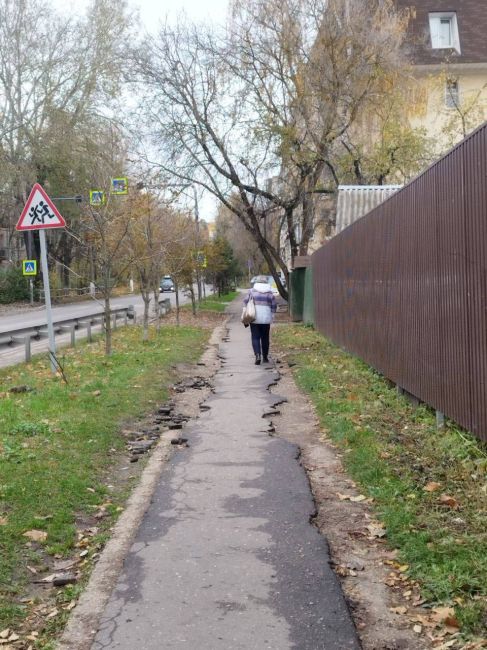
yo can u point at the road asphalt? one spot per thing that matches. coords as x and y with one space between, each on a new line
226 555
36 316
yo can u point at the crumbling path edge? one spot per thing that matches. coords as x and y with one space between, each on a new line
83 622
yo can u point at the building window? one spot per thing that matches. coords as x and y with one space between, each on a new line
444 31
452 96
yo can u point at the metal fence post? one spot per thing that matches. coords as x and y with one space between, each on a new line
73 336
28 352
88 332
440 420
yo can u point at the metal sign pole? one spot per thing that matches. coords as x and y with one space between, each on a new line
47 298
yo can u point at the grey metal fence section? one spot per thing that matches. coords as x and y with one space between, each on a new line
405 287
25 335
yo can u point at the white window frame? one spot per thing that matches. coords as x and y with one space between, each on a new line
438 42
452 97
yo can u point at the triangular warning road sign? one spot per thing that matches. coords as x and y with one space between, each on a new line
39 212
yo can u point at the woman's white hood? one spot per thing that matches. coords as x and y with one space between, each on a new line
262 287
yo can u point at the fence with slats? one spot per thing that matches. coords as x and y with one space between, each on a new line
405 287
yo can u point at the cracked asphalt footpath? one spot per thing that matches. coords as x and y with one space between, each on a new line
226 556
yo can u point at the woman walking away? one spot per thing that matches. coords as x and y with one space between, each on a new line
265 308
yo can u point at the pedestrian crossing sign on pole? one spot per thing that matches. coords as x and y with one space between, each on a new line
97 197
29 267
39 212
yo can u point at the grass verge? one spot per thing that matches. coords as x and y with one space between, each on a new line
58 443
428 487
215 302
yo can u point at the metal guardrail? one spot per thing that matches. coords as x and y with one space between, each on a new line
25 335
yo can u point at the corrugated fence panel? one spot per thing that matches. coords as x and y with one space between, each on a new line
475 180
405 287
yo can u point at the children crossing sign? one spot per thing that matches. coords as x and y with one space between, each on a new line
29 267
39 212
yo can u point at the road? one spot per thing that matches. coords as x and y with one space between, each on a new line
37 316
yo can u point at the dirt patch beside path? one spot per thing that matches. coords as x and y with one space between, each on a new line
379 600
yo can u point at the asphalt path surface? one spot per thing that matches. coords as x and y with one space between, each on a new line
35 316
226 556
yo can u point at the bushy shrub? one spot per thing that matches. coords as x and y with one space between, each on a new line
13 285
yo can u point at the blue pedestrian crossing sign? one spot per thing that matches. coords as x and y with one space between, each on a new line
29 267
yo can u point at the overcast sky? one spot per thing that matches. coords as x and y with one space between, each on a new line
154 11
151 11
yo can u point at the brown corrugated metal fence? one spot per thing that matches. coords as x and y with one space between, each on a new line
405 287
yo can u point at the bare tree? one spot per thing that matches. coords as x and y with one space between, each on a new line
178 255
58 75
253 113
145 243
109 226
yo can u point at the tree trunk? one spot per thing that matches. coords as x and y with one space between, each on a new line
108 324
146 299
176 286
157 309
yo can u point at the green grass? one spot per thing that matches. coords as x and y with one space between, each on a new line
393 451
215 303
58 443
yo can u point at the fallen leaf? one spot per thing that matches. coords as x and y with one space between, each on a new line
376 530
53 613
360 497
451 622
36 535
341 570
4 634
96 393
432 486
3 521
403 568
447 500
418 629
399 610
46 579
343 497
440 614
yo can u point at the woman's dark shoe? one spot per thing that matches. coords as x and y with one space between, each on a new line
257 359
265 359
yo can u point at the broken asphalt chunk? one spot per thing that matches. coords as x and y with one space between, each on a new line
180 441
65 579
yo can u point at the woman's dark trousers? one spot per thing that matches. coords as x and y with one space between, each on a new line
260 338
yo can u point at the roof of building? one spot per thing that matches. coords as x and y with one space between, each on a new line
471 17
354 201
